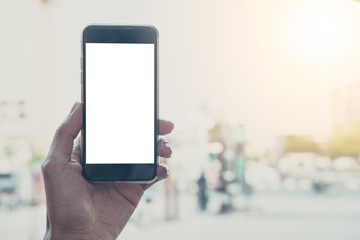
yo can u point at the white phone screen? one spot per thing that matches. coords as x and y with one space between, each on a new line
119 103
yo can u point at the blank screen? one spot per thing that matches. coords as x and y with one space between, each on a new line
119 103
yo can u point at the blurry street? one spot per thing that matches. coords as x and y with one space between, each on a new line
272 215
25 222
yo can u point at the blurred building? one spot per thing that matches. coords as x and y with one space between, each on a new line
346 106
15 149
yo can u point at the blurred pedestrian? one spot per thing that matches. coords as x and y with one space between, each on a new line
202 192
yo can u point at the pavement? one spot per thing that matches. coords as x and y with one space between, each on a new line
283 216
267 215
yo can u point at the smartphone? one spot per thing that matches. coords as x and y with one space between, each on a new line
120 103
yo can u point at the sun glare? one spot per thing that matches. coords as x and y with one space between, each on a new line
321 29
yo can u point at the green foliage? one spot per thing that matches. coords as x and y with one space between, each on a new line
37 157
217 132
299 143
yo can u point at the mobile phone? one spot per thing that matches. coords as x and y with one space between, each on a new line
120 103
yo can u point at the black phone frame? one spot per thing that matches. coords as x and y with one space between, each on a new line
119 34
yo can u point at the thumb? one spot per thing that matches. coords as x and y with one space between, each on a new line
62 144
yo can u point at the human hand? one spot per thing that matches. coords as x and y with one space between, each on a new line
77 209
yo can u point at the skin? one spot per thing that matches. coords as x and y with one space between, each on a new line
77 209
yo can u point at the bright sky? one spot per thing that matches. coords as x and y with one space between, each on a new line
271 65
279 63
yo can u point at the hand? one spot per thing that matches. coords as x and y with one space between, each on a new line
77 209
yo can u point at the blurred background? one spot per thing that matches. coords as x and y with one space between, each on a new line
265 96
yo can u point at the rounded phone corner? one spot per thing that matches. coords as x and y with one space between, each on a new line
86 176
87 28
153 179
85 31
153 29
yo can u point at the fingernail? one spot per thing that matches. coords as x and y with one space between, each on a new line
166 168
73 107
167 145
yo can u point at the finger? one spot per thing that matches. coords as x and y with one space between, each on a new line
75 156
165 127
164 148
62 145
162 173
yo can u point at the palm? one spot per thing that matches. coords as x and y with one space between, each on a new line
99 209
118 201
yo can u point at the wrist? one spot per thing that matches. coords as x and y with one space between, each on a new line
60 235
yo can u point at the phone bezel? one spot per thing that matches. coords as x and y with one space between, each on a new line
119 34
